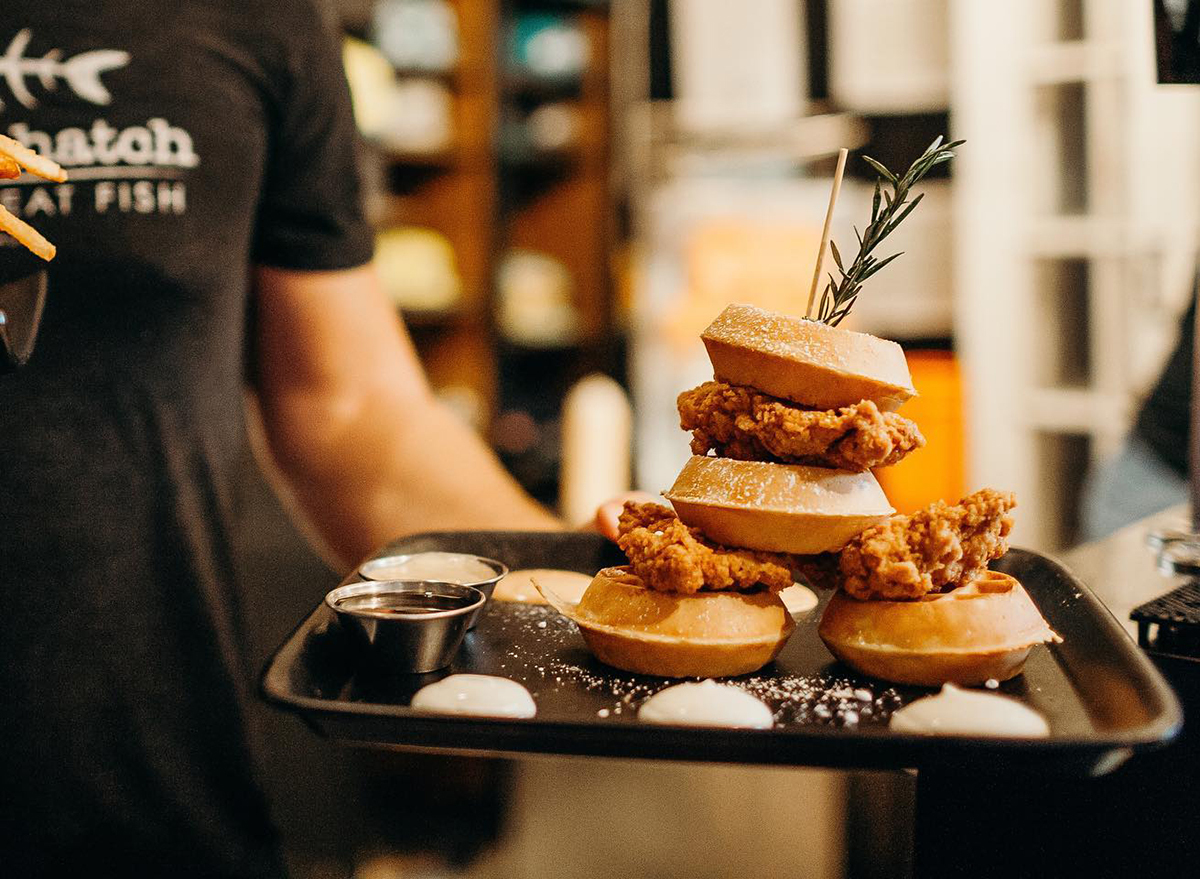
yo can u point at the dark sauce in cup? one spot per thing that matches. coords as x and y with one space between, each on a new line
403 603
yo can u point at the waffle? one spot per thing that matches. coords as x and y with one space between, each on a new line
981 630
703 635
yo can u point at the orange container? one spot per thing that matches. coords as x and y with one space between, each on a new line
937 471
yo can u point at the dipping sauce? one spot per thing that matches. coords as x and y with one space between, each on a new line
478 695
706 703
406 626
454 567
518 585
798 599
958 712
402 603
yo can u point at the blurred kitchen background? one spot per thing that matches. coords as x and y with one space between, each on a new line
568 190
564 188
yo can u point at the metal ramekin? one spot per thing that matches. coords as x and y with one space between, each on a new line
376 569
407 642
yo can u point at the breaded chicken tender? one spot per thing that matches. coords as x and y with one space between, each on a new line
671 557
739 422
941 546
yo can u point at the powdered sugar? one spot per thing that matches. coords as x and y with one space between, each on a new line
758 485
795 338
546 652
794 358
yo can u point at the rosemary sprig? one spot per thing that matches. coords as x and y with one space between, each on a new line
888 210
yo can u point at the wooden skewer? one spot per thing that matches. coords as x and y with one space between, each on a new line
833 196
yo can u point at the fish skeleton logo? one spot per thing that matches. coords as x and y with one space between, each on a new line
81 73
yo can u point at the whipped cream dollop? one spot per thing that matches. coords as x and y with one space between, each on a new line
956 711
798 599
477 695
706 703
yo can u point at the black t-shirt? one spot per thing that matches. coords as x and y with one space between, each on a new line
1165 418
202 137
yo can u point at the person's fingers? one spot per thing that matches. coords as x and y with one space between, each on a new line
608 512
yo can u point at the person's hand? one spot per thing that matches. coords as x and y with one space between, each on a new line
607 513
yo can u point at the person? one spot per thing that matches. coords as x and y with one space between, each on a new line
211 234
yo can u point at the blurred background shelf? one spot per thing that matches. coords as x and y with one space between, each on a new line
543 88
444 159
488 126
600 178
1075 239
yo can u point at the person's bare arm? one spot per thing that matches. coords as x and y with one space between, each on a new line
367 450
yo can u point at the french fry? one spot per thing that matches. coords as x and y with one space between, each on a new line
26 234
31 161
13 157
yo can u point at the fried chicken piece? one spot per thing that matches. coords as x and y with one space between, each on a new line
671 557
941 546
738 422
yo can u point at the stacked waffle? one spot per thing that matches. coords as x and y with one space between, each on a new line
779 485
784 440
797 415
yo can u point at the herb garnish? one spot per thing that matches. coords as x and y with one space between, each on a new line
888 210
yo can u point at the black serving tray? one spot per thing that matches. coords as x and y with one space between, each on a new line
1101 696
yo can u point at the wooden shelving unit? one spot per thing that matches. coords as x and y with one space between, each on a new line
561 203
1075 238
493 190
